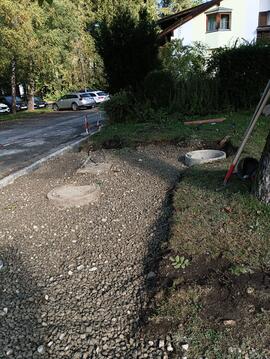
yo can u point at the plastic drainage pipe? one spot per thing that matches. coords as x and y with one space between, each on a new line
257 113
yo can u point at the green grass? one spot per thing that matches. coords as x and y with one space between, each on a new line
235 125
210 223
24 114
213 224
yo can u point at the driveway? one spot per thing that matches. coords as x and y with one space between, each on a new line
28 140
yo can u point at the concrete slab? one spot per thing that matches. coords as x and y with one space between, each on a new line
74 196
93 168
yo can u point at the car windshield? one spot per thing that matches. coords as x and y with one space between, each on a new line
92 94
101 93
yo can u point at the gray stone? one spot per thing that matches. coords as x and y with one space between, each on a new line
41 349
151 275
161 344
1 264
266 110
185 346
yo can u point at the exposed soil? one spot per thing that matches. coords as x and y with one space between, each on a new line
229 300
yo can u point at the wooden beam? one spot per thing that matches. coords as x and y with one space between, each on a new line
202 122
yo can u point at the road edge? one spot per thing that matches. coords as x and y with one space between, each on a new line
31 168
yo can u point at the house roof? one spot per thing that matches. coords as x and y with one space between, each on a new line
172 22
218 9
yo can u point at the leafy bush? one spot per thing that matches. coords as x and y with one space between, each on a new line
242 73
196 95
183 61
159 86
120 108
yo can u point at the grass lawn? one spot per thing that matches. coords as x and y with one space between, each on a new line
235 125
219 301
24 114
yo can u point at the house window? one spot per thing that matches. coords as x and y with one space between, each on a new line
211 23
225 22
264 18
218 22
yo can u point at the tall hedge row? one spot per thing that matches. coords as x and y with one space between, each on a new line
242 74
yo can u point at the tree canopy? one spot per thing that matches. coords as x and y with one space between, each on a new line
49 44
169 6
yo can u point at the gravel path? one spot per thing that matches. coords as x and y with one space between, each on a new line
75 282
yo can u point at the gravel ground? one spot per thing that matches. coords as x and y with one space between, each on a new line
75 282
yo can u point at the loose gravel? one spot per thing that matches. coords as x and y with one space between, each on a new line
74 282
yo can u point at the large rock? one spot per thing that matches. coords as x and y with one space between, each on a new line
74 196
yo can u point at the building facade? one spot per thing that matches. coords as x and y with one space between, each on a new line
219 23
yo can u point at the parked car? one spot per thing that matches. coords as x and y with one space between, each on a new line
4 108
86 90
20 104
99 96
74 101
39 103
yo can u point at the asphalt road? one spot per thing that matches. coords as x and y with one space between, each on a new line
25 141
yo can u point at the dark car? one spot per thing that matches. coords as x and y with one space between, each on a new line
20 104
39 103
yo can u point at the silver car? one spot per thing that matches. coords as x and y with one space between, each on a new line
74 101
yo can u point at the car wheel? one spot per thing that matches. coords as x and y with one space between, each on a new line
74 106
55 107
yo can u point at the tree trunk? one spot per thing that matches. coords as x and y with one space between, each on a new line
261 186
13 85
30 95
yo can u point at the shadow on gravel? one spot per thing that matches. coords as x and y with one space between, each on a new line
20 332
157 244
154 166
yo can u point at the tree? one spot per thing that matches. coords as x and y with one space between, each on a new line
43 48
183 61
128 47
171 6
261 186
15 29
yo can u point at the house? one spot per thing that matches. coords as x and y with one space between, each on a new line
218 23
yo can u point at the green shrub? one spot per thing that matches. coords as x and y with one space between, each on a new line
120 108
183 61
196 95
144 112
242 73
159 87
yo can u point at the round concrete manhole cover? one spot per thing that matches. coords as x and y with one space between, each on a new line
203 156
74 196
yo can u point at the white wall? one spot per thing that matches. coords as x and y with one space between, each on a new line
264 5
244 24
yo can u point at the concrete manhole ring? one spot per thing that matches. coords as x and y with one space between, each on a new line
203 156
74 196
